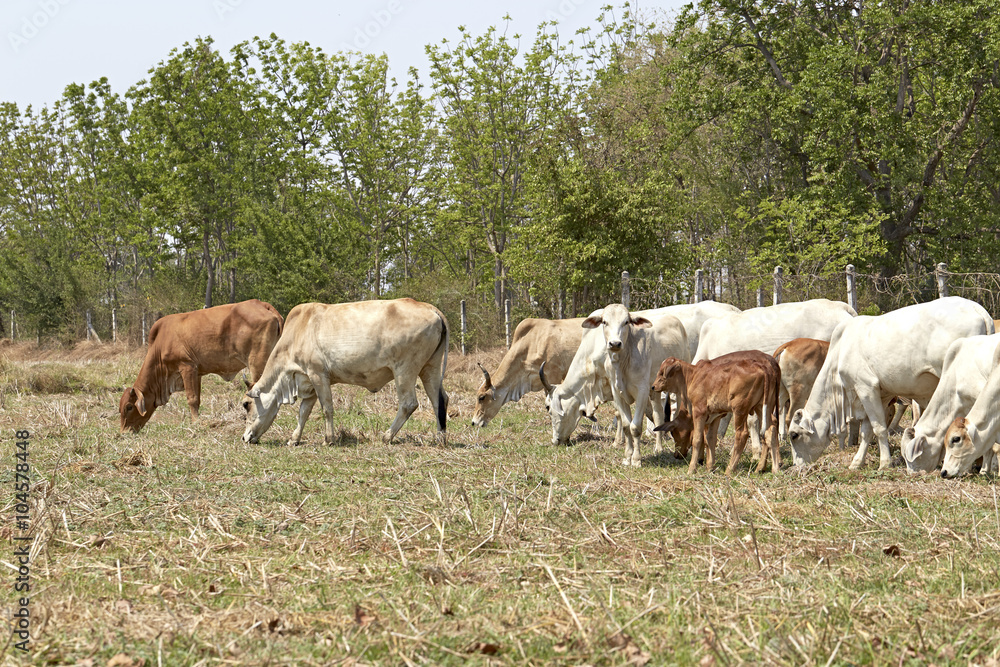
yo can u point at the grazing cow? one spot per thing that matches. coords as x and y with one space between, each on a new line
976 434
635 349
967 365
184 346
590 369
367 344
873 359
799 360
535 342
741 383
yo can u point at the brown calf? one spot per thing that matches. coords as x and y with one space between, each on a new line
740 383
799 360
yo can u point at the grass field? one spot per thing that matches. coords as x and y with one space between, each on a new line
181 545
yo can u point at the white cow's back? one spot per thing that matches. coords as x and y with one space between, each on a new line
765 329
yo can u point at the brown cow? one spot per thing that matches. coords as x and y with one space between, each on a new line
183 347
741 383
799 360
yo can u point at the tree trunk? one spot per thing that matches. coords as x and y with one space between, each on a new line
210 270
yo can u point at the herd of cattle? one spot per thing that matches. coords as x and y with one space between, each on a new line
825 368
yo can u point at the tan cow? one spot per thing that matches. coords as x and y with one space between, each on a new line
183 347
367 344
536 341
799 360
741 383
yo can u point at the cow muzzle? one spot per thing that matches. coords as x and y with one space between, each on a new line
614 345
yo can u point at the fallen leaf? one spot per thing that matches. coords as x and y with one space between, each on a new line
362 616
635 655
123 606
100 542
122 660
892 551
484 648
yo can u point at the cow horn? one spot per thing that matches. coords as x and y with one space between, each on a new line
545 383
246 381
489 383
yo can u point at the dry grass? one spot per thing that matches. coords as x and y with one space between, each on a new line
181 545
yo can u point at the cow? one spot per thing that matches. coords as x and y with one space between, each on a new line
367 344
535 342
766 328
799 360
182 347
741 383
590 369
967 364
975 434
873 359
554 342
635 347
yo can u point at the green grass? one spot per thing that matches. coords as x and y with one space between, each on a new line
496 549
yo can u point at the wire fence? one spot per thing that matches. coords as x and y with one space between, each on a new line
869 294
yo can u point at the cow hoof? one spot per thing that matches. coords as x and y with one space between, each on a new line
854 466
293 443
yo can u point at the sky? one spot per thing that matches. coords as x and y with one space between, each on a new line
48 44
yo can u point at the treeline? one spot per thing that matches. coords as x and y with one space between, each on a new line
739 137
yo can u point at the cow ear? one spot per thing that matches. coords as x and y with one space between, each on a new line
641 322
593 321
140 402
916 447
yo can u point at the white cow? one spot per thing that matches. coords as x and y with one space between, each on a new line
590 369
635 349
975 435
767 328
873 359
967 364
368 344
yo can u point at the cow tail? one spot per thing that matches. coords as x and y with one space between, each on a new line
442 404
771 386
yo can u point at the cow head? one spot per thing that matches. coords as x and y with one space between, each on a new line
487 406
959 448
617 324
261 411
809 436
680 428
564 409
918 452
134 410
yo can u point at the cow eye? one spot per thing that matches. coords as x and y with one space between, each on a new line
482 398
955 439
793 436
246 406
129 408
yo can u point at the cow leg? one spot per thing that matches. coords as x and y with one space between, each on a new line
753 425
785 402
872 403
323 392
305 409
406 393
192 388
659 417
697 441
771 439
430 378
743 430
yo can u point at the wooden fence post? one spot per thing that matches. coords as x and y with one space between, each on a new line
777 284
506 319
90 327
941 272
852 290
12 324
699 285
562 304
625 289
760 296
465 324
144 328
114 324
